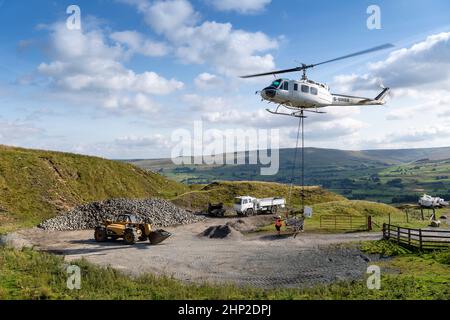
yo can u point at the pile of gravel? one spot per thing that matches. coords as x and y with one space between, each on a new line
221 232
160 213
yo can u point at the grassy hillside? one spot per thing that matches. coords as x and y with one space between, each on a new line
358 175
35 185
225 192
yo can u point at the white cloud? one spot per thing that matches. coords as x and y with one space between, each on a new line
423 63
205 81
205 103
330 130
85 63
11 131
241 6
418 134
156 140
137 43
426 63
110 79
433 104
399 114
167 16
351 82
230 51
134 146
338 120
415 136
139 102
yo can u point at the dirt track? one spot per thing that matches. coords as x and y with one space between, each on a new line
264 261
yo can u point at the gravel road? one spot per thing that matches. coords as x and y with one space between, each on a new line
264 261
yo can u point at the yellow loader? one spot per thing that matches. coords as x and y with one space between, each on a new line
130 229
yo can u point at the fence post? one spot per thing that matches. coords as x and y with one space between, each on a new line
420 239
369 223
389 231
398 235
384 230
409 237
407 216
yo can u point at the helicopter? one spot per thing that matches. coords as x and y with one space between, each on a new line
307 95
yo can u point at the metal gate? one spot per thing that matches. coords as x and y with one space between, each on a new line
341 222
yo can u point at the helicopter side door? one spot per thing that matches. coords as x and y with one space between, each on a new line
285 90
295 93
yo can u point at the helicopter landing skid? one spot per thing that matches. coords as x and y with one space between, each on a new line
296 114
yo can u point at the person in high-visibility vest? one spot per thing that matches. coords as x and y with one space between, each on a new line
278 225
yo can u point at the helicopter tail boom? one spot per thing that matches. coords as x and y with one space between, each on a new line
345 100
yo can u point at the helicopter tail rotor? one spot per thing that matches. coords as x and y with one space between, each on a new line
383 94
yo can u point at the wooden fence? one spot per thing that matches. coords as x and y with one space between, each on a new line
423 239
345 223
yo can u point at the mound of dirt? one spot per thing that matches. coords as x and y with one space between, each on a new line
158 212
221 232
240 225
250 224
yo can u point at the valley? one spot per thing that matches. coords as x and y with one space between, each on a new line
388 176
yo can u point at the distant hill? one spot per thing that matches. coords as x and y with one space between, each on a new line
361 175
324 157
35 184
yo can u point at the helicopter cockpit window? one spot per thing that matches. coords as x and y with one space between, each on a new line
305 89
286 86
276 84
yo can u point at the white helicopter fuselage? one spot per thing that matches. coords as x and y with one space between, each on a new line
306 94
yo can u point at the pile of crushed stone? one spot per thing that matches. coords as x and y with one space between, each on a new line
221 232
160 213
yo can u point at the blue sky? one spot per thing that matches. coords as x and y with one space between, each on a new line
140 69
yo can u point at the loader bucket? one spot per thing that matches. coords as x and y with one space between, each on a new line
158 236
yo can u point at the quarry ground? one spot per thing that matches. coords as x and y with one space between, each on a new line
261 260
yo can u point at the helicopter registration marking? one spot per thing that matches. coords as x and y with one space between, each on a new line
342 99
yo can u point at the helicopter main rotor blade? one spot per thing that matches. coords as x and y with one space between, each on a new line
273 72
382 47
305 67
